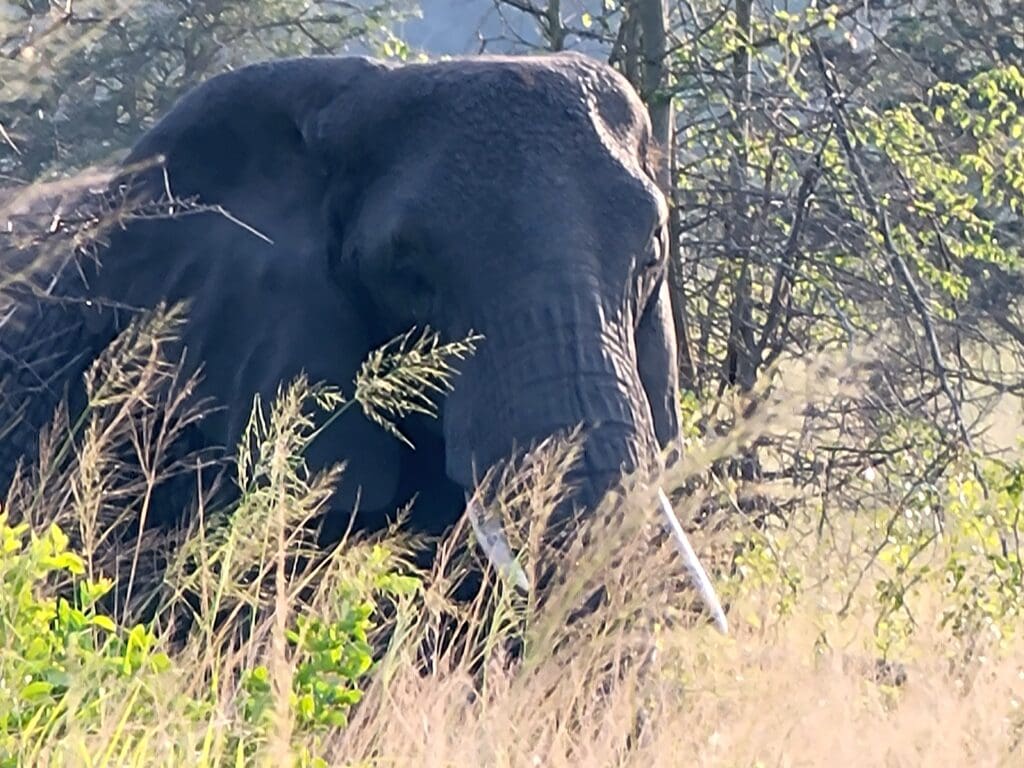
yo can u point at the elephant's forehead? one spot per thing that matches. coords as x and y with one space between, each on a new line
549 116
532 95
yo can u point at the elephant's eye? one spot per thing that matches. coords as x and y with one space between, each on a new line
655 256
411 280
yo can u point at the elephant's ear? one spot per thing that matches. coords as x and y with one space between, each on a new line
656 360
252 258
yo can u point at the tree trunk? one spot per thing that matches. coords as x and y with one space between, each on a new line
740 363
651 18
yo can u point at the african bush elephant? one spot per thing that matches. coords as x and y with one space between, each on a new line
513 197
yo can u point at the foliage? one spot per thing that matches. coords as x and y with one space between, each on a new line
57 647
331 658
82 80
63 658
947 561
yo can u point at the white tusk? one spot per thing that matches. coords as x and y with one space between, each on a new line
495 545
697 572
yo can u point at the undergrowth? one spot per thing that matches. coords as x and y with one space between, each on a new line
889 636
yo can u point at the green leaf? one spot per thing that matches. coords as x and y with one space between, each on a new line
65 561
103 622
91 591
37 690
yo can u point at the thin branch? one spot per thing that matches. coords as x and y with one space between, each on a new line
785 270
897 264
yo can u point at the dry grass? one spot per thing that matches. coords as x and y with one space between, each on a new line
642 681
756 699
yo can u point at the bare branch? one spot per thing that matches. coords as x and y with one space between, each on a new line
897 264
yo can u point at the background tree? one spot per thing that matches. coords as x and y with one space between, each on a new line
79 80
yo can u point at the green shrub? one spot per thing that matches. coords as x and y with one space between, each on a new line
946 557
65 664
52 643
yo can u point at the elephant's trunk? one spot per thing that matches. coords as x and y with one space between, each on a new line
547 371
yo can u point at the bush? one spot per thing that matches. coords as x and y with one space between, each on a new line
67 666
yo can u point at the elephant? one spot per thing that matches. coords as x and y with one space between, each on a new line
514 197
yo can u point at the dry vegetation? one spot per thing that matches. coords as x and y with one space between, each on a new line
818 669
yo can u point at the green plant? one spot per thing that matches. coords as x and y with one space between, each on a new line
51 642
331 656
982 569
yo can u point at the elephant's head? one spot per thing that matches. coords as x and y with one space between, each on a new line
514 197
